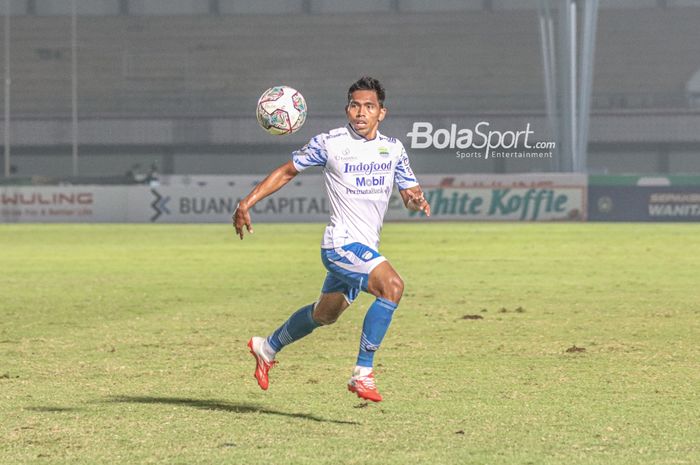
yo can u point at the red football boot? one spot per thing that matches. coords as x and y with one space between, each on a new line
263 365
364 387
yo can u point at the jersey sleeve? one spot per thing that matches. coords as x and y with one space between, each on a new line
312 154
403 175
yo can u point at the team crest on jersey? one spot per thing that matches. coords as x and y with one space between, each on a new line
383 151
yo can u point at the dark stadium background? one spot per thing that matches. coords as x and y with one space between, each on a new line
175 82
105 91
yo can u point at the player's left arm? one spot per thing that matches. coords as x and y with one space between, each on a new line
410 190
414 200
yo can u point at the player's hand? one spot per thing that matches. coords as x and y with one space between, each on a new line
241 218
417 202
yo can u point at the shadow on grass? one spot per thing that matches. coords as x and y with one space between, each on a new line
210 404
48 409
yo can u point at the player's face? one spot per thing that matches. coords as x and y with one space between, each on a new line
364 113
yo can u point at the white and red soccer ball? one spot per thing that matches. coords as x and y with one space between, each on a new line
281 110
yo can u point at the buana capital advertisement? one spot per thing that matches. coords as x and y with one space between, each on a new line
303 199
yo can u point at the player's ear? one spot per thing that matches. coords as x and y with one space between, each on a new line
382 113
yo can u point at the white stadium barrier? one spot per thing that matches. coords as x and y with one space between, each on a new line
212 199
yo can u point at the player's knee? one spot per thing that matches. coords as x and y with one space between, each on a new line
394 289
325 320
327 315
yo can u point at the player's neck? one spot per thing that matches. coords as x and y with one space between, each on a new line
371 136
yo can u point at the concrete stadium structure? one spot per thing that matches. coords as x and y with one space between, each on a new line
175 83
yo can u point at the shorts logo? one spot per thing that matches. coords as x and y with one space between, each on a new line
367 255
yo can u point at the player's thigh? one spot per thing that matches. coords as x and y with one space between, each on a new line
385 282
329 307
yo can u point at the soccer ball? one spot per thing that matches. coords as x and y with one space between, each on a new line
281 110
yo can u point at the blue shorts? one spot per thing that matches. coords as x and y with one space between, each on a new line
348 268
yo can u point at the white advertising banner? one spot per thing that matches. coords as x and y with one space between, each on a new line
452 197
65 204
521 197
303 199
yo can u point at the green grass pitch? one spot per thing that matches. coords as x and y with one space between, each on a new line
514 344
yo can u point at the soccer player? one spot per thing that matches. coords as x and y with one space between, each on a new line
360 166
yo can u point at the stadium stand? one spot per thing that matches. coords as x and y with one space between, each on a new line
174 82
434 62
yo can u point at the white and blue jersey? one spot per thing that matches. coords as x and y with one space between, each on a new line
359 176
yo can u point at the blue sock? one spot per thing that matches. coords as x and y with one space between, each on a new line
300 324
373 330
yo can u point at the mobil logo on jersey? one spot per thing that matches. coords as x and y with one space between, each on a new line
370 181
367 168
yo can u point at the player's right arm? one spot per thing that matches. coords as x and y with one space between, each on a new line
312 154
271 184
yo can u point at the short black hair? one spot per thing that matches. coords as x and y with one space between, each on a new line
368 83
